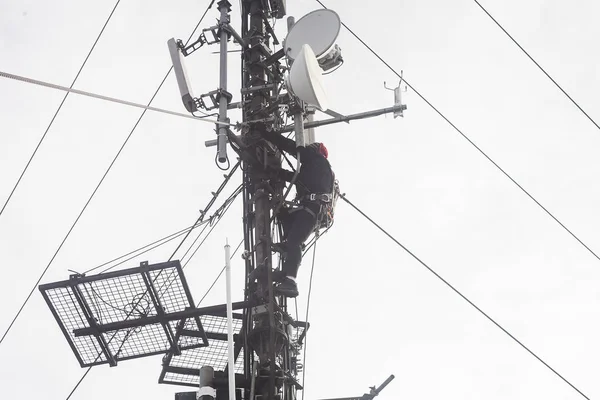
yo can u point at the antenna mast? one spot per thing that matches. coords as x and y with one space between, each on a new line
266 327
149 309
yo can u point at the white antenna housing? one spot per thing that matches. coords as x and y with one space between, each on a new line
305 79
182 77
319 29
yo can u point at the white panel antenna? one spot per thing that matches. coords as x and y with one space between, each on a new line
183 80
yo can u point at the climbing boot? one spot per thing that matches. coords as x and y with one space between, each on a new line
278 275
287 288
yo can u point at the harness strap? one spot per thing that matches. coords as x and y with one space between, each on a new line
325 197
302 207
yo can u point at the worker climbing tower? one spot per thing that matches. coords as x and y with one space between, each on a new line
254 352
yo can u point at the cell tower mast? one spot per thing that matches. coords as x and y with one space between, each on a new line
148 310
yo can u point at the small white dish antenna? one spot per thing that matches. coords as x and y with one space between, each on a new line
319 29
305 79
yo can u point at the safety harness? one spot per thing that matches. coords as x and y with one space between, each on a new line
326 201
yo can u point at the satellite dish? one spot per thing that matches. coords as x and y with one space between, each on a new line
305 79
319 29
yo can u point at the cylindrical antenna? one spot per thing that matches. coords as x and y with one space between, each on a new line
224 8
231 368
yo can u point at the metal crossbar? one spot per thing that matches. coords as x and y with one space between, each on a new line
123 315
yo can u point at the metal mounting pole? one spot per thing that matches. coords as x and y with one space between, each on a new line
224 97
231 364
308 126
310 132
345 118
207 390
299 129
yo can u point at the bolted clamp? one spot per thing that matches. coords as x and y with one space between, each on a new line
206 391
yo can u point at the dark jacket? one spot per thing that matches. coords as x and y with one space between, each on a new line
315 175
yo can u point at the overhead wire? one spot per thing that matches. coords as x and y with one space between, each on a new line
154 246
313 241
80 380
211 202
195 240
467 138
58 110
168 282
219 214
186 231
343 197
110 99
538 65
145 248
127 335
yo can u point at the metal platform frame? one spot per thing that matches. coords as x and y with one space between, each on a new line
126 314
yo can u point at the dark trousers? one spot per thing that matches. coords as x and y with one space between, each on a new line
297 227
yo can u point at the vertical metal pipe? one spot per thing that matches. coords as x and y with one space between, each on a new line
224 7
254 107
253 381
207 391
310 132
299 129
231 365
248 210
290 23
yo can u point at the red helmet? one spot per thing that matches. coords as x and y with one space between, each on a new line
319 148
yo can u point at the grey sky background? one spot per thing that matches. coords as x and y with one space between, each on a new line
374 309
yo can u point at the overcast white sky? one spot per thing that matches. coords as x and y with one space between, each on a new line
374 309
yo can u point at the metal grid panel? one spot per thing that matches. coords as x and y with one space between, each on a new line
72 318
118 297
214 355
215 324
181 379
197 358
171 290
129 343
